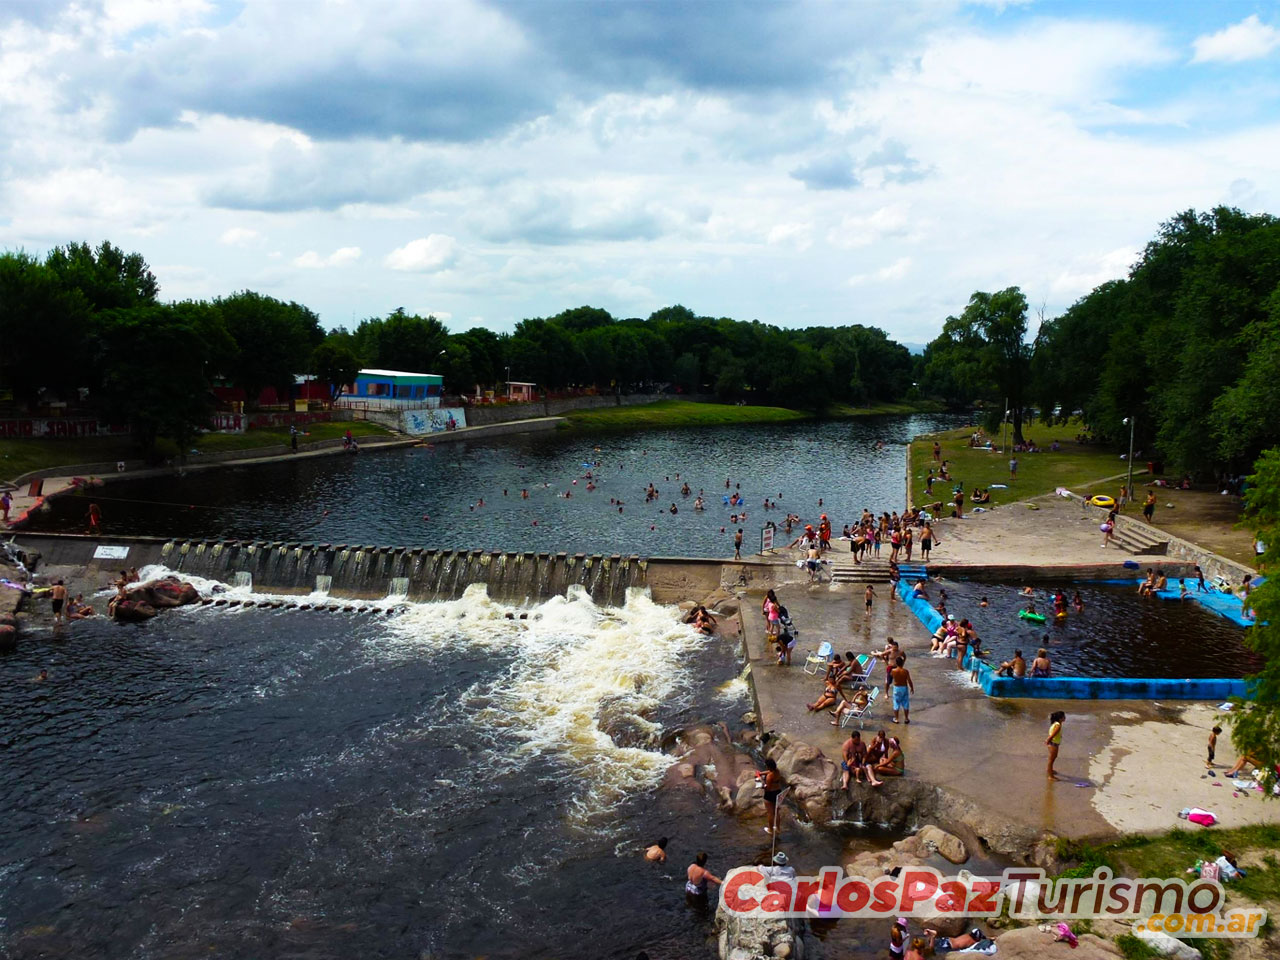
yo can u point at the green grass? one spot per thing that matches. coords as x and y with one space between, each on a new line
1074 467
678 413
840 411
22 456
272 436
1169 855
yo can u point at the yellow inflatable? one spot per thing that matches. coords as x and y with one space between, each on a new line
1103 501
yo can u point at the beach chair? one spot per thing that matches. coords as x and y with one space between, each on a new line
866 666
819 659
857 714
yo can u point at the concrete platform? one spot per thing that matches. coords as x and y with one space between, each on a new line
1124 765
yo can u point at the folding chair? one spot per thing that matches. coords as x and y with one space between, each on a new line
818 659
856 713
866 666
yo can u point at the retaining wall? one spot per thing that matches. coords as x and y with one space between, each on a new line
479 415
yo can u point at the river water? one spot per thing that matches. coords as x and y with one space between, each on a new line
423 497
437 782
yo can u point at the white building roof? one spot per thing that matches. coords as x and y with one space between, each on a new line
394 373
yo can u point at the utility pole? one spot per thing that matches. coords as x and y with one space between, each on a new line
1129 486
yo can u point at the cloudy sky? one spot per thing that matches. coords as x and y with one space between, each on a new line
487 161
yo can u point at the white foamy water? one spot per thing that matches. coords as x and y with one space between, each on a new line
576 667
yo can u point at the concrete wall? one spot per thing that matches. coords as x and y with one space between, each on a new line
495 430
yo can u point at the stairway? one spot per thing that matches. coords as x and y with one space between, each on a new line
844 570
1140 539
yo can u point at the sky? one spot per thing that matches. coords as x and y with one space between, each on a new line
802 164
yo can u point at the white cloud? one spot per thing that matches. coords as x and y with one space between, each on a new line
238 237
1250 39
442 315
797 235
893 271
343 256
424 255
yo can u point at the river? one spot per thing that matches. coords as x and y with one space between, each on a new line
422 497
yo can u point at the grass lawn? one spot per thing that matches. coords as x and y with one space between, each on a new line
1170 854
678 413
1075 467
20 456
1202 516
271 436
840 411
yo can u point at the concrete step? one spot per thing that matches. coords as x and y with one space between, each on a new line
1140 539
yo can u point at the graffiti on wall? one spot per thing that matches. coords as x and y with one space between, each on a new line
55 428
418 422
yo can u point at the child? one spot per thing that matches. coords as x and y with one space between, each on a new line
1213 742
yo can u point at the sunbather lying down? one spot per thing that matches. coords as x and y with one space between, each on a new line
971 942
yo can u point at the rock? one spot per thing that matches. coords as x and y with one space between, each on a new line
749 717
813 778
948 924
1029 943
8 637
757 937
948 845
1166 945
685 606
685 769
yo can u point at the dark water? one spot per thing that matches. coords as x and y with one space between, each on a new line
255 784
1119 634
383 498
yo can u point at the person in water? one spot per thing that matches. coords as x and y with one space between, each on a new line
772 783
657 853
696 879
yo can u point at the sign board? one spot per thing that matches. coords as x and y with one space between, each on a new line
420 422
110 553
766 539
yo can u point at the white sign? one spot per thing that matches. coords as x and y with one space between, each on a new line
766 539
110 553
419 422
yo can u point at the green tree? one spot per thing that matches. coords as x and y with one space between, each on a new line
686 373
44 330
334 362
156 368
274 342
107 276
1255 727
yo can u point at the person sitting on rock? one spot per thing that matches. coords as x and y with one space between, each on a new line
77 609
894 763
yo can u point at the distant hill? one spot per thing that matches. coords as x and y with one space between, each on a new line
915 348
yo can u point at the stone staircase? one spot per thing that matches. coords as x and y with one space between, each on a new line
844 570
1140 539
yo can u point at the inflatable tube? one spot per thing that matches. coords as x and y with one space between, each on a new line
1036 617
1101 500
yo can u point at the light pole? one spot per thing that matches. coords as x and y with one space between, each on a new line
1128 490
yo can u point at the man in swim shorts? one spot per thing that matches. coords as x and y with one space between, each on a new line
58 597
902 690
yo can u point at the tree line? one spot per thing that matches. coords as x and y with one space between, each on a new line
86 325
1187 345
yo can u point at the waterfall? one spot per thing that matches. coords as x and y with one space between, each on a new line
323 584
243 578
399 589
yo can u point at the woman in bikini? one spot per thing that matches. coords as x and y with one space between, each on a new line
1054 740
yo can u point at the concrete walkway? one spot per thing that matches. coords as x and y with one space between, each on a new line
1124 765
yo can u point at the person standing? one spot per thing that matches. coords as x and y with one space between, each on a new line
58 598
903 687
5 501
926 541
95 519
870 595
937 450
293 437
772 784
1013 468
1149 508
1054 740
737 545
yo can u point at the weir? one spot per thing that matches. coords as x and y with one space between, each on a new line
418 575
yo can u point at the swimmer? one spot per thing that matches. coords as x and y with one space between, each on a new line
657 853
1027 592
673 509
1077 602
40 677
984 602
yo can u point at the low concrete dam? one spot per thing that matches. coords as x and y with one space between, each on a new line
418 575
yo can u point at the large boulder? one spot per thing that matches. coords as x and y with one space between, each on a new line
811 776
1166 945
8 636
132 611
1030 943
948 845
